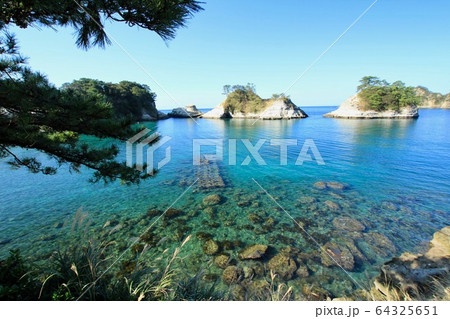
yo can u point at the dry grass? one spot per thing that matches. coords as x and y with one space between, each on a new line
438 290
280 292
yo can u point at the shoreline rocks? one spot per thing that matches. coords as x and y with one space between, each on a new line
416 274
351 109
440 244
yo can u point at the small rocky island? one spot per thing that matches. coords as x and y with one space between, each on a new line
243 102
190 111
351 108
379 99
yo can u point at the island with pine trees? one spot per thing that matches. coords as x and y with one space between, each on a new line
243 102
379 99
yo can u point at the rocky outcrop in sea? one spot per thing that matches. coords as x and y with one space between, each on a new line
276 110
351 109
190 111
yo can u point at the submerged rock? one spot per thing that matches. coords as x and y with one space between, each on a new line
290 251
5 241
210 247
256 204
232 244
254 218
258 289
333 254
238 293
210 277
336 185
48 237
232 274
330 185
348 224
357 254
149 238
244 203
210 210
380 243
203 236
137 248
212 200
284 240
248 272
312 293
253 252
154 212
389 205
222 260
307 200
302 271
269 222
58 225
173 213
332 205
337 196
283 266
258 268
320 185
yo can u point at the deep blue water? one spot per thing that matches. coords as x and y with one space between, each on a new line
396 172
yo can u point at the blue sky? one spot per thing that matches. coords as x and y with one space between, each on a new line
268 43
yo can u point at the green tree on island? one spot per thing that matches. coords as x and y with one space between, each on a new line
380 95
34 114
243 98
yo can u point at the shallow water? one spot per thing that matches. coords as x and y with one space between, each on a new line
395 171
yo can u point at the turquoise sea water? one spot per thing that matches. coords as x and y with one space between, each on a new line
395 172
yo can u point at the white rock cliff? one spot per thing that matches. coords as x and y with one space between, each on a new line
185 112
351 109
276 110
